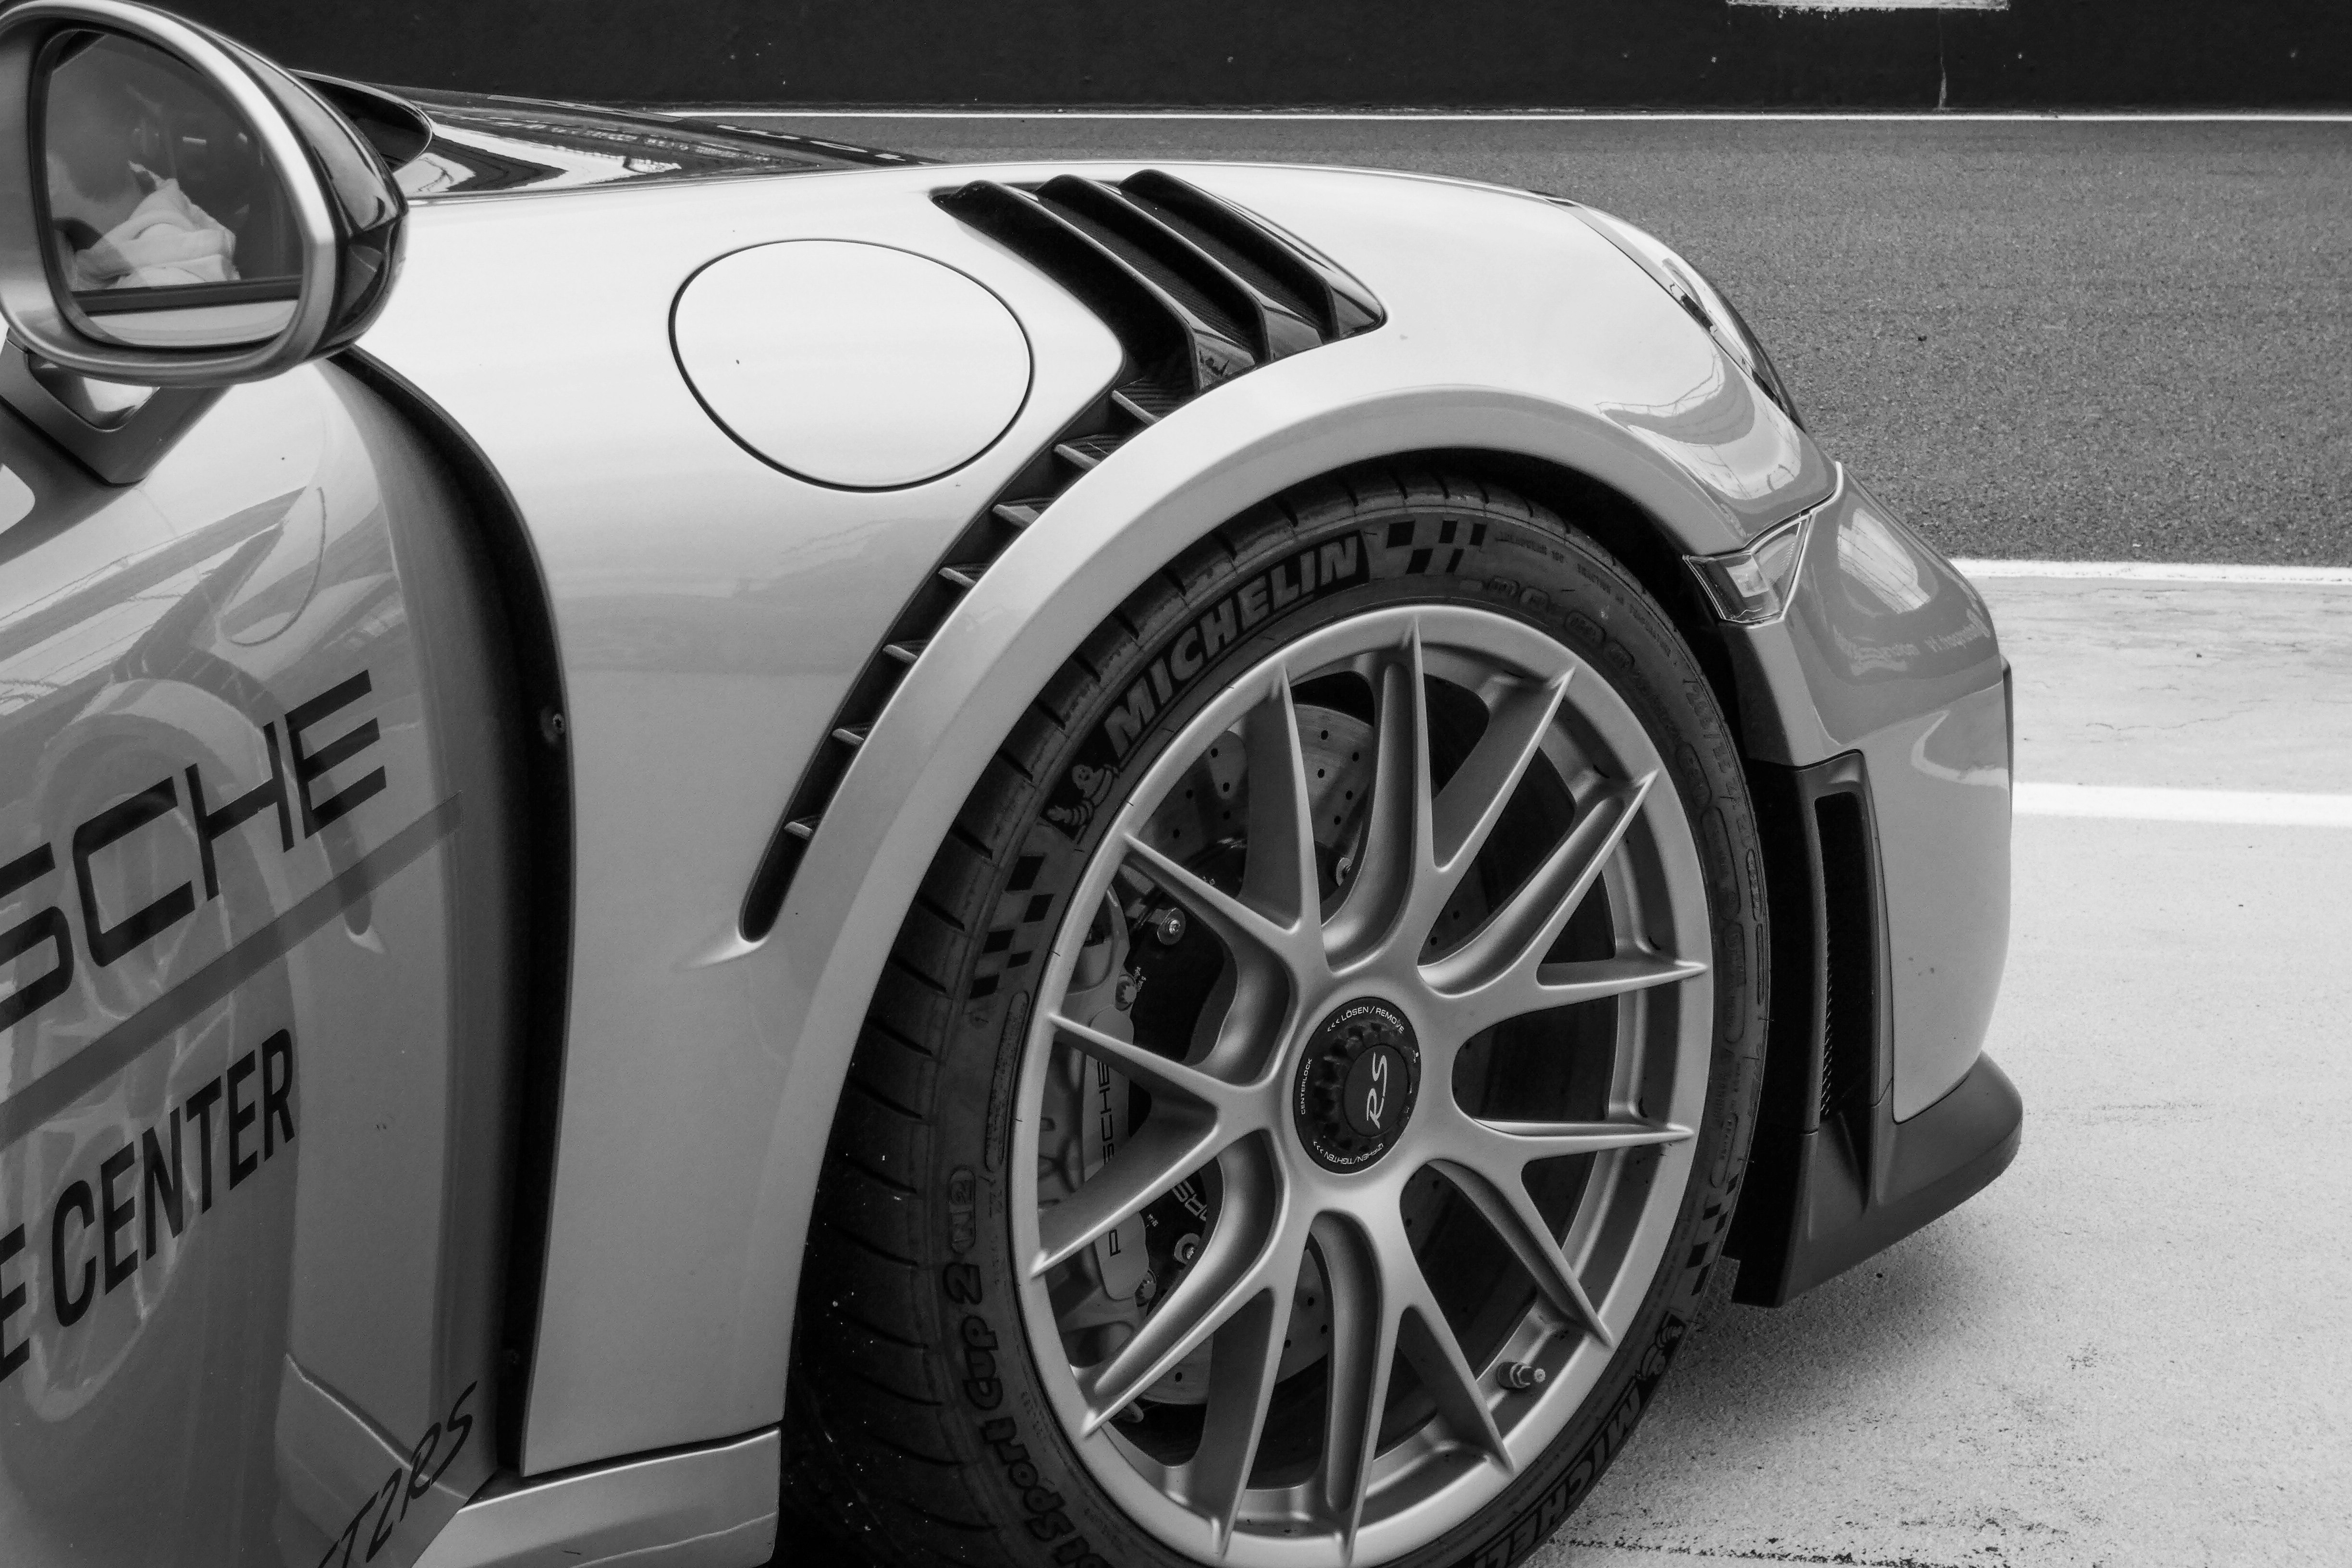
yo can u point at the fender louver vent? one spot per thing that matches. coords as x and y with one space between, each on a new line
1197 291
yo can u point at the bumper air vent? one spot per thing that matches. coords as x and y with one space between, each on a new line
1197 291
1849 954
1822 1127
1829 1028
1832 1177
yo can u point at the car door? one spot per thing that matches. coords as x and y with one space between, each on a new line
257 947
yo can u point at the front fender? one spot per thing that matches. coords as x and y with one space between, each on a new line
710 614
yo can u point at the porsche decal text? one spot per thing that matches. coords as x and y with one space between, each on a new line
107 935
111 1220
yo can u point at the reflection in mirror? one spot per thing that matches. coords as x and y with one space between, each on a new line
169 226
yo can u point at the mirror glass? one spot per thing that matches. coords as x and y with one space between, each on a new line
170 228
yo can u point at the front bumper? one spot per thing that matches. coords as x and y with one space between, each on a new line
1876 721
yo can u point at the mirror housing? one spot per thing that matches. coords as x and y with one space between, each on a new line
341 215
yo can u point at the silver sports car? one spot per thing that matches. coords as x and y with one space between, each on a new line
712 841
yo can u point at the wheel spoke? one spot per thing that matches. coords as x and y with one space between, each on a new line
1516 1142
1429 1346
1279 877
1244 930
1465 812
1243 1251
1244 1359
1363 1347
1168 1147
1504 1202
1536 988
1395 856
1159 1074
1515 937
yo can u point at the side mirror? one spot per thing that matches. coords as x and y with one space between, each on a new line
175 212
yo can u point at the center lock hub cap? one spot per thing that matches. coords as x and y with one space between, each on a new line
1356 1084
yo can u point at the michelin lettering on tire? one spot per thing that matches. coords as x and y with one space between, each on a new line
1315 573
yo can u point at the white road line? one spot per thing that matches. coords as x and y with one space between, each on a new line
2251 808
2161 572
1532 116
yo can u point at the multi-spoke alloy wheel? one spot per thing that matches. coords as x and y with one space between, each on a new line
1285 1382
1312 1089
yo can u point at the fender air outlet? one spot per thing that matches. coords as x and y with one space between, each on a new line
1197 291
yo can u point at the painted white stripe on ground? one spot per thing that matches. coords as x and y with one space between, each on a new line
1534 116
2252 808
2162 571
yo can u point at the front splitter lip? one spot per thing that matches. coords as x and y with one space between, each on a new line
1841 1214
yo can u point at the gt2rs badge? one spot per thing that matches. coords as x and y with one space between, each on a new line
1310 573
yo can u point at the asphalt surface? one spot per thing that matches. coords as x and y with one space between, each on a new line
2065 340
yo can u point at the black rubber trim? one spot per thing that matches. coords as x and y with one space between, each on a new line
544 882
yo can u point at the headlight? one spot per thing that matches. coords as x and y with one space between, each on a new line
1706 303
1751 586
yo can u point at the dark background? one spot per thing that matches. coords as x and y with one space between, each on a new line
1420 53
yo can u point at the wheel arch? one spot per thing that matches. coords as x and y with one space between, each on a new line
815 970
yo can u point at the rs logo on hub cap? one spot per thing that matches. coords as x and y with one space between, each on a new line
1356 1084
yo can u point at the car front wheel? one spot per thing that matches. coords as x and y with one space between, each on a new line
1303 1107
